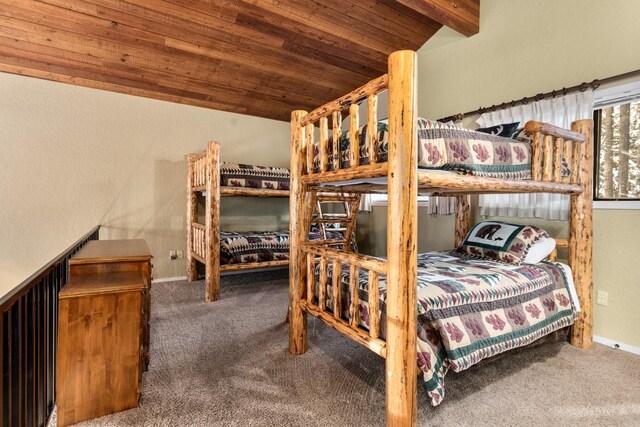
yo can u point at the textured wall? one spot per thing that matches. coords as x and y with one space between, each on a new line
72 157
526 47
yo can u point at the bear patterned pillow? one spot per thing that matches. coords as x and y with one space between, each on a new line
507 130
500 241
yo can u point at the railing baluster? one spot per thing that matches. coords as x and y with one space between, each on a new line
547 158
355 298
354 136
336 126
322 286
566 153
4 363
372 128
324 144
311 277
557 159
374 316
310 143
336 287
535 157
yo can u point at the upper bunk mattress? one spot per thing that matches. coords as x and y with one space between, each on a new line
252 176
448 147
471 309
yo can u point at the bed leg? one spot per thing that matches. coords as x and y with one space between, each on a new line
192 217
402 223
580 247
297 229
212 223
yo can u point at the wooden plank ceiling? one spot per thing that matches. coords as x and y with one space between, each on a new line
257 57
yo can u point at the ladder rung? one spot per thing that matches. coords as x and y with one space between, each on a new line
335 215
327 220
336 199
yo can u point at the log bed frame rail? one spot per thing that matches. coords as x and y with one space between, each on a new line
404 182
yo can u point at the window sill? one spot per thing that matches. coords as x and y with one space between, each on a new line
616 204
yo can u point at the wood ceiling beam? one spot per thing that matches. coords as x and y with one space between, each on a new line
385 19
460 15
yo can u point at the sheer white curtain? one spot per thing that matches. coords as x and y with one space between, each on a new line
365 203
559 111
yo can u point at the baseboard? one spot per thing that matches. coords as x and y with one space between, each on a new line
169 279
615 344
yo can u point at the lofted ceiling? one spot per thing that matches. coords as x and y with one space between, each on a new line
258 57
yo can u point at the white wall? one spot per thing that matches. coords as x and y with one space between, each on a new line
73 157
526 47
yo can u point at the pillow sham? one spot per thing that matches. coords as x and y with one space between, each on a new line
508 130
500 241
539 250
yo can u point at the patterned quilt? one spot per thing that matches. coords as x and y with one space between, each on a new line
255 246
470 309
448 147
240 175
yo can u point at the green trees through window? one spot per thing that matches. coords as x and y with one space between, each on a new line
618 151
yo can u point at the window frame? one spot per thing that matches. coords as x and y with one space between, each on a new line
601 202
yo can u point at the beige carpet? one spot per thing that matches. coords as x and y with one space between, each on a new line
226 364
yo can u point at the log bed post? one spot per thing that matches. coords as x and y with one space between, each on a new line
463 219
192 217
402 220
212 223
297 229
580 234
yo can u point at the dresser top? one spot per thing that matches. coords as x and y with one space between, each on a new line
106 283
105 251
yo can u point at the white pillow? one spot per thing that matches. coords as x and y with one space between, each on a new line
540 250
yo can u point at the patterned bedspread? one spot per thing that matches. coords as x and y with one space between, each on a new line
448 147
240 175
470 309
255 246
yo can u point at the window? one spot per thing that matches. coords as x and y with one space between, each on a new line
617 150
381 200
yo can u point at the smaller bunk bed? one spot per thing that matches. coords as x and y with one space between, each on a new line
381 303
222 251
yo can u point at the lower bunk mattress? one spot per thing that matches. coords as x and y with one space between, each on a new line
471 309
256 246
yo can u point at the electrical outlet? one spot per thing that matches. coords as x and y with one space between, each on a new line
172 255
602 298
179 254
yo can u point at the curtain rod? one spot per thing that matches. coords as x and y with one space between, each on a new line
539 97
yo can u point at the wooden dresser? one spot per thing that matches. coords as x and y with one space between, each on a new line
103 330
111 256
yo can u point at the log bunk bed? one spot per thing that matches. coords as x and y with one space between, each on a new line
312 284
214 179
